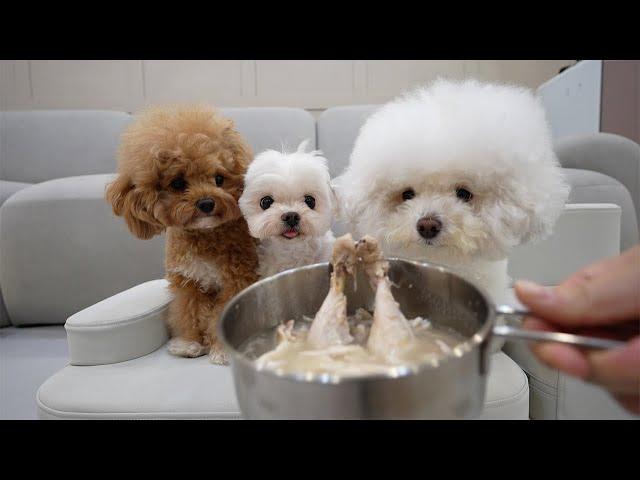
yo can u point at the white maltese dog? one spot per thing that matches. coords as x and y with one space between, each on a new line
456 174
288 204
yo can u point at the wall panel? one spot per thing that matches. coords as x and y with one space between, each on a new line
215 81
387 78
90 84
15 84
311 84
304 83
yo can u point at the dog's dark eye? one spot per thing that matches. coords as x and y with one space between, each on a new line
219 180
408 194
179 184
265 202
463 194
310 201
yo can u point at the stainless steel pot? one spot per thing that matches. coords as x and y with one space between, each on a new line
454 389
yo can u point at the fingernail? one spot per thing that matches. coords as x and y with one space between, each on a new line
534 290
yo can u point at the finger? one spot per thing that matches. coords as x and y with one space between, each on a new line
532 323
569 359
565 358
617 369
624 331
603 293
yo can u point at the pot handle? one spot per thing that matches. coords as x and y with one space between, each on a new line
515 333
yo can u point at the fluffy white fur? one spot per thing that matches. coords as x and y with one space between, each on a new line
492 140
288 179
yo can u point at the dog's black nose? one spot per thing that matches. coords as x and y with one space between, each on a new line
206 205
429 227
291 218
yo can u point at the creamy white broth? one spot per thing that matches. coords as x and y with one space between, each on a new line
429 346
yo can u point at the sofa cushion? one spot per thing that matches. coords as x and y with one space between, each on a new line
42 145
507 396
28 356
8 188
160 385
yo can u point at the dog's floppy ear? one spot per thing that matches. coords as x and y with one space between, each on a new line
242 152
131 204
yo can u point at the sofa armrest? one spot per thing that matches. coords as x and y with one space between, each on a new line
574 244
125 326
607 153
62 249
584 233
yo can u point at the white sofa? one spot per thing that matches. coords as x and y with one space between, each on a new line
120 367
62 250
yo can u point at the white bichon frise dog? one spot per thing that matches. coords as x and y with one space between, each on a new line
456 174
288 203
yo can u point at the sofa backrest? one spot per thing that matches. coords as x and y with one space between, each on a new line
607 153
273 127
338 128
36 146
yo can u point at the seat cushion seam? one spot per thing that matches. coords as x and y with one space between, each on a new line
63 413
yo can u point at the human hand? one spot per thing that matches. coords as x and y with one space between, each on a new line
603 300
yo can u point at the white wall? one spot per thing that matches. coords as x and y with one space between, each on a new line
311 84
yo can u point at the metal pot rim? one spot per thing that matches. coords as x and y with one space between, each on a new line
476 340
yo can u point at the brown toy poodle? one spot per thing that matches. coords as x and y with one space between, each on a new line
181 169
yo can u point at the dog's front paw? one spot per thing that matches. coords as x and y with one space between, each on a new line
218 356
186 348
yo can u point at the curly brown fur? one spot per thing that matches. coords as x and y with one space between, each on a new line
170 159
